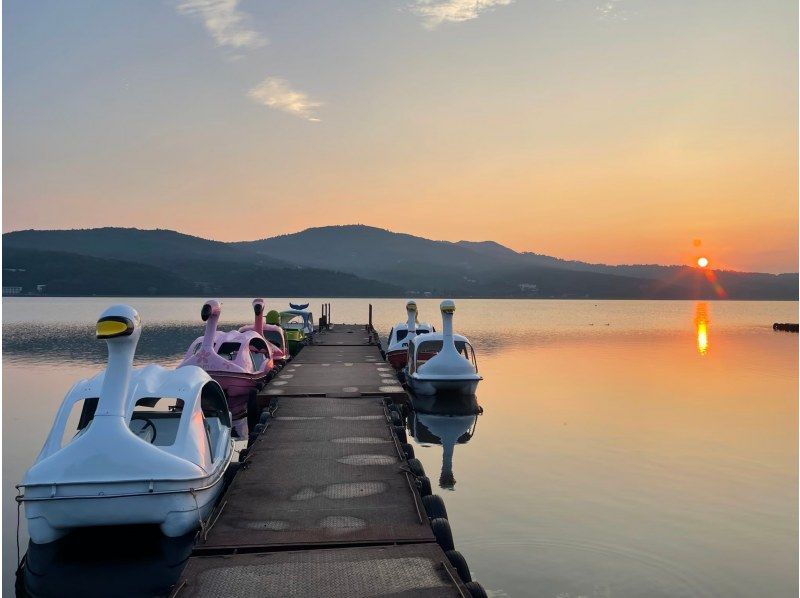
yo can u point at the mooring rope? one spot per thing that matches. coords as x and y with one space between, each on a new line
197 508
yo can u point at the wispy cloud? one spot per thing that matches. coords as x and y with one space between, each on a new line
275 92
228 26
436 12
224 21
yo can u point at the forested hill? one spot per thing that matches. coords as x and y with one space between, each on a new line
344 261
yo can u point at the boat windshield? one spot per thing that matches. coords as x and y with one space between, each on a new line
427 349
156 419
229 350
258 353
401 334
274 337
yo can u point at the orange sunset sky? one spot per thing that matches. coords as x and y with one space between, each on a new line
610 132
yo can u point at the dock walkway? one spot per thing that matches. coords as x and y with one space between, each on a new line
326 504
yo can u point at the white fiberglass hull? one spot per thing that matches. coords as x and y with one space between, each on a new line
432 386
177 512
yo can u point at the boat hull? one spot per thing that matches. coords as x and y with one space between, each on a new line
397 359
176 513
237 389
295 345
434 386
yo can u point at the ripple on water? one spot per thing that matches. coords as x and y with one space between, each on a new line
583 568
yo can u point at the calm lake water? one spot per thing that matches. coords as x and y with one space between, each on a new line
625 448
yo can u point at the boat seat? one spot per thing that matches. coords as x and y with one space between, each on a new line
143 430
216 436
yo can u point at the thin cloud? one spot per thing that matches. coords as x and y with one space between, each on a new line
276 93
436 12
225 22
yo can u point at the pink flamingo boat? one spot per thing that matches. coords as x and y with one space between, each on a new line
271 333
241 362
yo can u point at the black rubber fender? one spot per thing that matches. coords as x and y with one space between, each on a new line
416 467
424 485
442 533
400 431
459 564
434 506
408 450
476 590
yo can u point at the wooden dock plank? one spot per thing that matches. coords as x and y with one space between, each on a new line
399 571
343 335
326 504
338 354
326 471
334 380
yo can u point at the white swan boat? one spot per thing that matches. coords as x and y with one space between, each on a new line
442 362
132 461
401 334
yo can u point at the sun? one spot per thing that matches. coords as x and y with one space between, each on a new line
702 262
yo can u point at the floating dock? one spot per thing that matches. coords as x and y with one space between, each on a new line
327 502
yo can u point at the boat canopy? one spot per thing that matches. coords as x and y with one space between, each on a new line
400 332
306 318
243 351
190 389
424 346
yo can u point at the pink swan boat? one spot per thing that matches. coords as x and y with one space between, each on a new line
271 333
241 362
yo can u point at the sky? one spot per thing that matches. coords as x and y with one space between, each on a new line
616 131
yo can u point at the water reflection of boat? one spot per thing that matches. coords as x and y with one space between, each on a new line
93 562
447 422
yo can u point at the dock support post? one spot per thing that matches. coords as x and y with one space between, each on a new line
370 316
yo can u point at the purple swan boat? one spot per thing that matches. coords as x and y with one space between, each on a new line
271 333
241 362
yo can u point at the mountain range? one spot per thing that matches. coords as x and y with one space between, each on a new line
343 261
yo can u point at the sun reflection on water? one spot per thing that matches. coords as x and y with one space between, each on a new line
701 324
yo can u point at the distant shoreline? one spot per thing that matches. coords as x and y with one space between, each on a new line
400 298
344 261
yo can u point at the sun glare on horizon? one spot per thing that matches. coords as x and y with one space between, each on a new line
702 262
